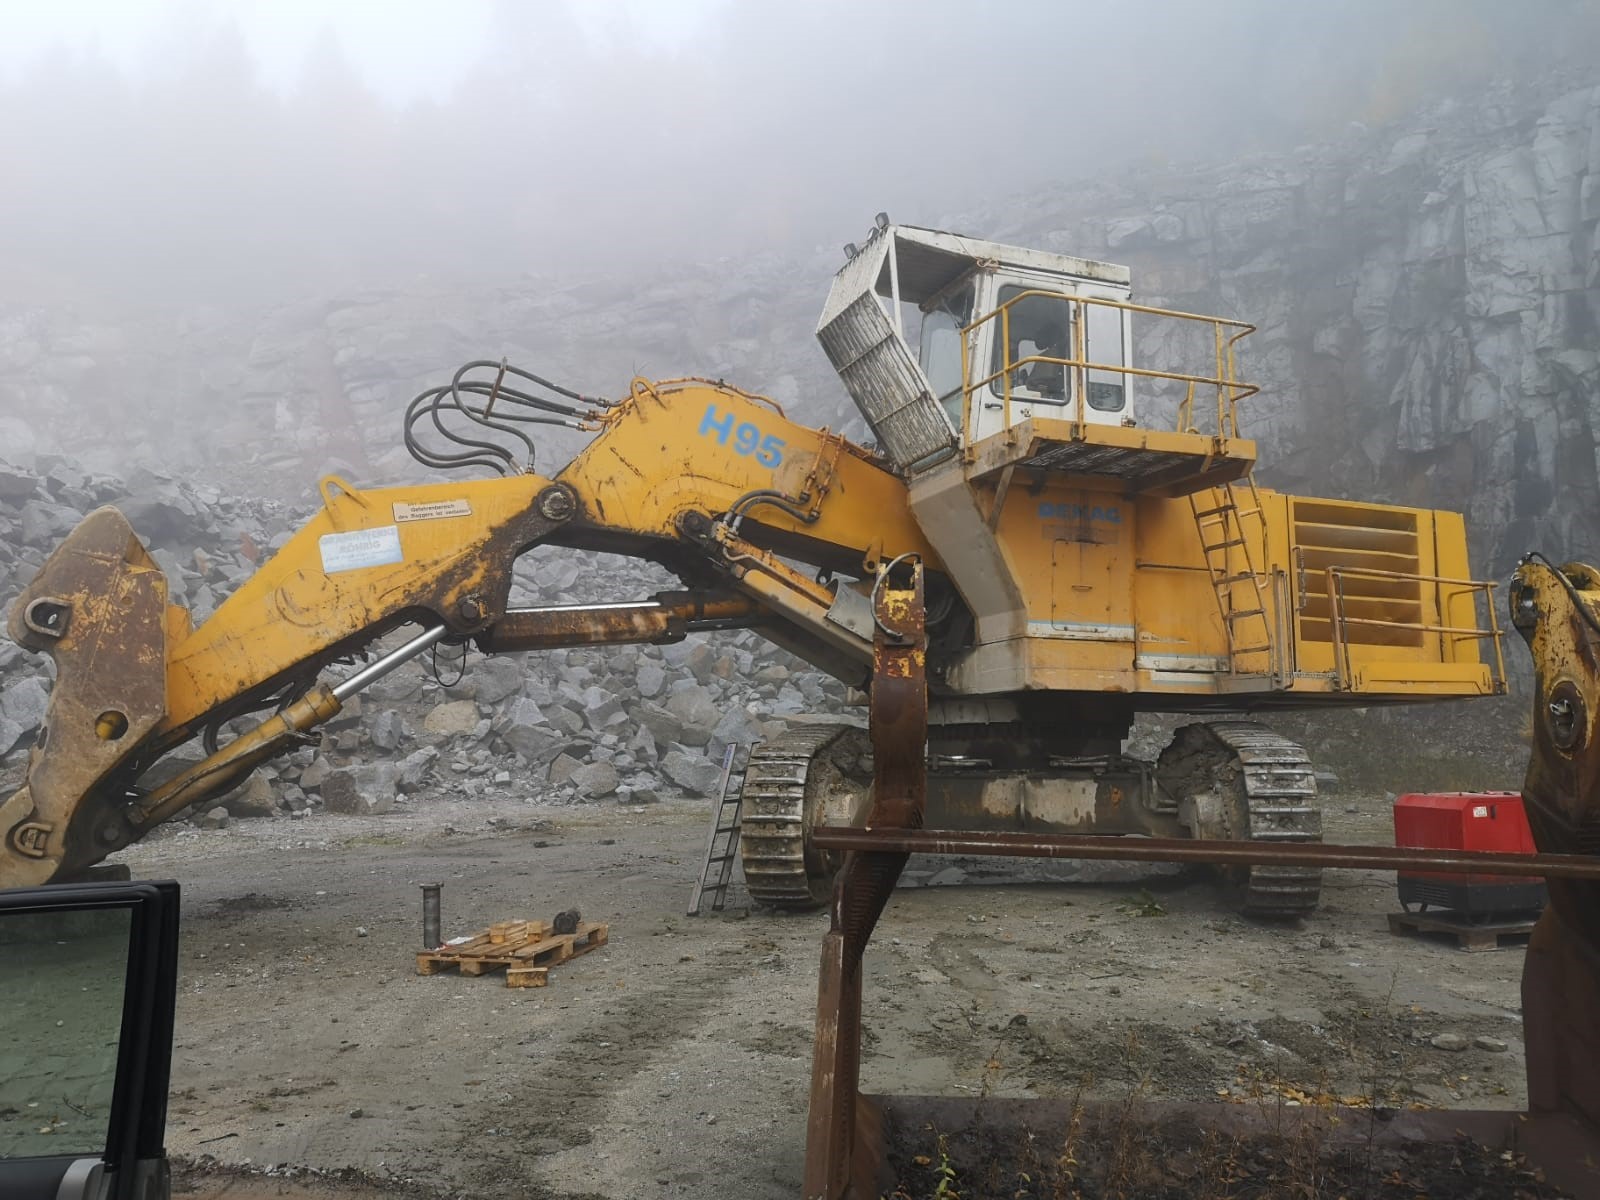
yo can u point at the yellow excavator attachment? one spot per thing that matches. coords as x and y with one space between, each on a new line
99 609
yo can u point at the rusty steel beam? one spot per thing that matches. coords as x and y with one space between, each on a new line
1191 850
844 1135
666 618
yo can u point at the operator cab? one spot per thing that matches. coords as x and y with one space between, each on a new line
1015 341
1022 330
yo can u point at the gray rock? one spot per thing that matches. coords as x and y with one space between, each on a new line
650 679
664 726
10 734
256 797
567 721
454 718
562 767
388 730
697 713
694 774
415 768
25 701
216 818
499 678
737 725
524 711
1452 1042
535 744
643 746
595 780
363 791
16 485
312 777
1491 1044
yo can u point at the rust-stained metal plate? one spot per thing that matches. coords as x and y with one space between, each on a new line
843 1132
98 608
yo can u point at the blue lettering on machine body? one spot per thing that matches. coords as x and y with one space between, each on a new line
745 437
1056 511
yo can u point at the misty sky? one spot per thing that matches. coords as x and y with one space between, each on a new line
403 49
267 149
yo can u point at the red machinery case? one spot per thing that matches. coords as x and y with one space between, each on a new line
1485 821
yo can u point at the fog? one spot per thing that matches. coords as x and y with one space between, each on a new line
575 140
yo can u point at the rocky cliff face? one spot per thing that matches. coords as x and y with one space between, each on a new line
1427 302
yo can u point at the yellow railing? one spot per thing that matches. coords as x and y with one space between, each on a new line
1341 622
1229 389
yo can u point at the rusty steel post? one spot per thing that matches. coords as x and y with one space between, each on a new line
844 1143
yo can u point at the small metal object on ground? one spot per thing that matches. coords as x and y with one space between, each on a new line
1469 935
431 937
525 950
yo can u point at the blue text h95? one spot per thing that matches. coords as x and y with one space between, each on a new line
747 438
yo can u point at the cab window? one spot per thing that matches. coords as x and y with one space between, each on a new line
1106 390
940 349
1037 326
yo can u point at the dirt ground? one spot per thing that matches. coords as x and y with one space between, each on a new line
675 1059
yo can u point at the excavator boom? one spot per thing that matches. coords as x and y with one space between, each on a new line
670 464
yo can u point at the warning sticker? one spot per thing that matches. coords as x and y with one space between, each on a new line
431 511
360 548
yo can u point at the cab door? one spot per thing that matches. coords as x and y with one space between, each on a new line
87 989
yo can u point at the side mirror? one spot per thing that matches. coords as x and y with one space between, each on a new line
88 978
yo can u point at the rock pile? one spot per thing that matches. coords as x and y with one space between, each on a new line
627 724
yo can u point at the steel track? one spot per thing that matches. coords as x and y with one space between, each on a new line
775 820
1277 785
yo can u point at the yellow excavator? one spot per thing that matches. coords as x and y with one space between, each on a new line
1093 543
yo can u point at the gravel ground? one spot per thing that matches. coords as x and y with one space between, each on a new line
675 1059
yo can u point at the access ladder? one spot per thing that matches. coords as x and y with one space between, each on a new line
718 866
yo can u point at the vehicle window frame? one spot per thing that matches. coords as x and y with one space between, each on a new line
136 1126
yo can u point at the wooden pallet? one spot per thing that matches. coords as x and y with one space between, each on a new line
525 950
1469 935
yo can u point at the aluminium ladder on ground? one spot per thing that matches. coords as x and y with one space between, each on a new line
724 828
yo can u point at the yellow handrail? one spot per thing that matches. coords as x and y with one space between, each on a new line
1341 621
1230 389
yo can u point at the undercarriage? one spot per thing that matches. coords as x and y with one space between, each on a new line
1235 780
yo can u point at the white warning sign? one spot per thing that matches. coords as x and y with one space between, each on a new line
360 548
431 511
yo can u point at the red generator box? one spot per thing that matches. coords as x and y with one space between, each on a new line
1483 821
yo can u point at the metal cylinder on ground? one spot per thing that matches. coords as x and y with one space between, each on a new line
431 937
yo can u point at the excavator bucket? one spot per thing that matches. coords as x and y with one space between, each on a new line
1558 613
98 608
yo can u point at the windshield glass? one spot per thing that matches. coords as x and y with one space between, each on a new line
60 1027
940 349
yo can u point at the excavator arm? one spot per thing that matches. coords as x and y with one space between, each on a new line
766 522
